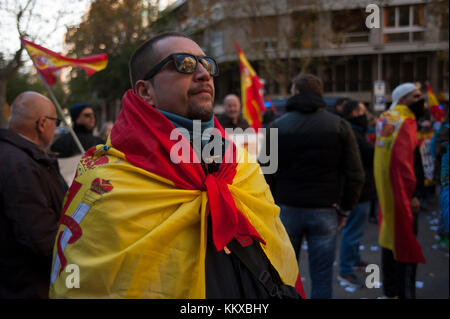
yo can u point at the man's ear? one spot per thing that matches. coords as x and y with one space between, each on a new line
145 90
40 124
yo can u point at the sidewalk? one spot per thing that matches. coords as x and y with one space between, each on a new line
432 280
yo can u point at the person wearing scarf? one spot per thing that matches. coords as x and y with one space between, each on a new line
398 178
138 225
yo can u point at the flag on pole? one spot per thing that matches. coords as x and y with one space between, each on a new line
435 108
47 61
252 101
269 101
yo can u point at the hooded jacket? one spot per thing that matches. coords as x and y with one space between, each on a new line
319 163
31 196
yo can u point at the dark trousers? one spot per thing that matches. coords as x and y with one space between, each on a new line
399 279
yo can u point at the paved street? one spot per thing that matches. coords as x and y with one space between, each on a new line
432 280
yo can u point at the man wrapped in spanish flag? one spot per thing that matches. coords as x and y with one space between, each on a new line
139 221
399 178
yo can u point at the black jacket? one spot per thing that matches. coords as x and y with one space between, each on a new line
65 146
318 157
31 197
226 122
367 152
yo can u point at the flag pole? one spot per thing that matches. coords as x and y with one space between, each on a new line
58 107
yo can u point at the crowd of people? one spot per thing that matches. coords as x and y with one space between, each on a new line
139 225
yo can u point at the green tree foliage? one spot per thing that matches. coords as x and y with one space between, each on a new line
114 27
27 81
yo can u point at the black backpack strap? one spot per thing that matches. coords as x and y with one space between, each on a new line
274 289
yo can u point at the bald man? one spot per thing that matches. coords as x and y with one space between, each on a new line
31 195
232 117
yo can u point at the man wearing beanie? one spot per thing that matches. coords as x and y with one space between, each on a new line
398 178
83 119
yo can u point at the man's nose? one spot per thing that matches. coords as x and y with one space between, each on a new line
201 74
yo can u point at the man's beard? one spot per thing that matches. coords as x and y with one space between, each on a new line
200 112
201 109
418 108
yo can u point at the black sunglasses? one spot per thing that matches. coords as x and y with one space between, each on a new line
57 121
186 63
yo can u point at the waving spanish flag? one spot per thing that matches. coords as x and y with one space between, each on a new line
47 61
252 101
435 108
135 222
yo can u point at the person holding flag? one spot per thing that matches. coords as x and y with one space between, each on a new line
31 196
139 225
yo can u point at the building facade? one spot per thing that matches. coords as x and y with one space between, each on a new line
331 39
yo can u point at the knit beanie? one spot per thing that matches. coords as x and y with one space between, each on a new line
76 109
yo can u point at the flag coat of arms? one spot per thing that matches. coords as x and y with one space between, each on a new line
47 61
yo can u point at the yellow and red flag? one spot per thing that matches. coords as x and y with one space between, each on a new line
395 181
135 222
435 108
252 101
47 61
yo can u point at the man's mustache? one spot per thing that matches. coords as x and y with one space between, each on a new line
203 88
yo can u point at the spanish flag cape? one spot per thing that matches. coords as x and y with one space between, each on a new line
395 182
134 223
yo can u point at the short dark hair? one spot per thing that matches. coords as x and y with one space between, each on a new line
349 107
145 57
308 83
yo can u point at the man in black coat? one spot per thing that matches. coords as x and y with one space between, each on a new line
31 196
318 168
83 119
356 114
232 118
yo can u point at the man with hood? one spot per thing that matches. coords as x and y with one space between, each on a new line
398 178
83 119
319 177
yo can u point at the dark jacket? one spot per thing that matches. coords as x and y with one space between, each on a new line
31 197
226 122
65 146
318 157
367 152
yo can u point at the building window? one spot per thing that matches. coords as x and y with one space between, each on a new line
264 33
443 76
399 68
404 23
303 29
349 26
216 40
348 75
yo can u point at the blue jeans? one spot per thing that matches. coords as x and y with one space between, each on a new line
319 225
351 235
